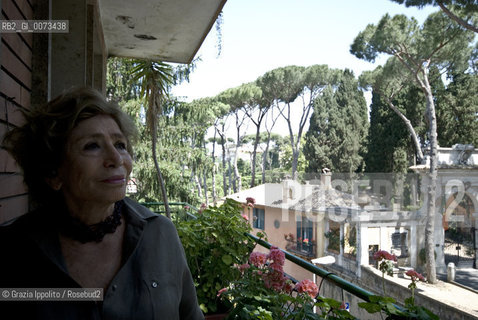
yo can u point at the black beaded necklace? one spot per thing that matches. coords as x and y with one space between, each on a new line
75 229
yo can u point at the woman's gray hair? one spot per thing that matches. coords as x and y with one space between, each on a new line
39 145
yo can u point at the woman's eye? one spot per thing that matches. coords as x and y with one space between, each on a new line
121 145
91 146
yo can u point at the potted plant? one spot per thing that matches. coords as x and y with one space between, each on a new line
264 292
214 243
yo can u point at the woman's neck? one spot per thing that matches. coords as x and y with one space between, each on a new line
89 213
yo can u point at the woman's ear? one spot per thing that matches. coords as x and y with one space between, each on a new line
54 181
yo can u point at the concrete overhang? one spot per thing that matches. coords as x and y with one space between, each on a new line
167 30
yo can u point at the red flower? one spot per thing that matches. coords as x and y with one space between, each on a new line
251 200
384 255
415 275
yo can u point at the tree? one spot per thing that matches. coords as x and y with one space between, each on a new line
457 109
237 98
256 108
440 42
463 12
286 85
155 77
390 147
338 126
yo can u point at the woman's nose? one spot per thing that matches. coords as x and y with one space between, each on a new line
113 157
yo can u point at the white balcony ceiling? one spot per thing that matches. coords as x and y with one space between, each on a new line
168 30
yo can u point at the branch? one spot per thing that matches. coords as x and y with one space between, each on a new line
410 129
458 20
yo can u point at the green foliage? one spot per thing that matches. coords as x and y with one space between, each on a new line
333 236
264 292
463 11
389 143
286 159
387 305
338 126
456 108
214 243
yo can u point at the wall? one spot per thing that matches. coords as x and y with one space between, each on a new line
37 67
275 236
15 95
371 280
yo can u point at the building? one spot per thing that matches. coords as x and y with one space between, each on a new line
317 219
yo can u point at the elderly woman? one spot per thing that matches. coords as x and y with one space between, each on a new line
75 153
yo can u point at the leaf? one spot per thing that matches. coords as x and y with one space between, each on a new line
370 307
227 259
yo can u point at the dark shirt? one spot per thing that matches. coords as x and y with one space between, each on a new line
154 281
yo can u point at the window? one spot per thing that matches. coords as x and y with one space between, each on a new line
258 218
305 237
305 230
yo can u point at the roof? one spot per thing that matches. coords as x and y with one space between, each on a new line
315 199
304 197
167 30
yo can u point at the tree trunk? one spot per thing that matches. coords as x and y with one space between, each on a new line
295 154
198 185
253 174
236 170
206 197
264 159
224 183
431 206
213 174
232 182
158 170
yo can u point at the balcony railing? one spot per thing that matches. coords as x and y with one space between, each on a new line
305 249
324 274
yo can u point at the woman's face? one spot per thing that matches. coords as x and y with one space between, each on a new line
96 166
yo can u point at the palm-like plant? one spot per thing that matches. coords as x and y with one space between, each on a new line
155 79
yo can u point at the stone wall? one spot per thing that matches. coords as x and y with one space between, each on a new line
371 280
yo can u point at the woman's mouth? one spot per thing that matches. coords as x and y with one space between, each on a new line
115 180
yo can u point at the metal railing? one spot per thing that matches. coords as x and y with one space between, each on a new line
324 274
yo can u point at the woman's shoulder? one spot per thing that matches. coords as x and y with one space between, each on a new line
22 223
144 213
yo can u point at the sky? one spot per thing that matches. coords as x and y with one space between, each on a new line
261 35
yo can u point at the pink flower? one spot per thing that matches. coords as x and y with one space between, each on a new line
203 206
251 200
245 216
384 255
258 259
276 255
186 207
307 286
306 240
415 275
221 291
288 287
275 280
250 205
243 267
